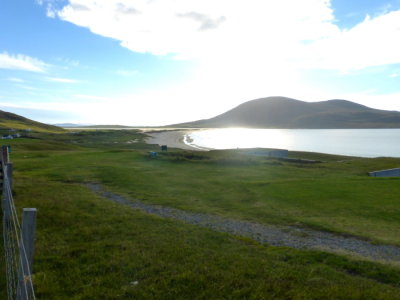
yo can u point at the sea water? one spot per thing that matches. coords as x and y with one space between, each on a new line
353 142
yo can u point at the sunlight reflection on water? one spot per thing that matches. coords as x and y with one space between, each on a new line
357 142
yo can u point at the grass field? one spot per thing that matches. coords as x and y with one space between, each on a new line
91 248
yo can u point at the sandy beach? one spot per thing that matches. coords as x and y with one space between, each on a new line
171 138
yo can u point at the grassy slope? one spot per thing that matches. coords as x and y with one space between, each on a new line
91 248
10 120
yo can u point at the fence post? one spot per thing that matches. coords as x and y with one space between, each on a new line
3 188
9 174
5 157
7 177
27 247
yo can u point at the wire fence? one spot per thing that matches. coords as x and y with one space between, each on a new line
18 239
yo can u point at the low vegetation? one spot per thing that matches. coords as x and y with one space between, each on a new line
89 247
10 121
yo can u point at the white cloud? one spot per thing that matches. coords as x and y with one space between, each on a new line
50 7
50 13
68 64
61 80
373 42
21 62
205 21
299 33
394 75
194 28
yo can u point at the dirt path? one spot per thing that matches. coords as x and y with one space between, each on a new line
295 237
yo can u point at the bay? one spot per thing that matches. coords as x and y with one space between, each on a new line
352 142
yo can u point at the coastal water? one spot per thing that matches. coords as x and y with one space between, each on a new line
354 142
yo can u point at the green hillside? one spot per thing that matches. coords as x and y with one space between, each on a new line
12 121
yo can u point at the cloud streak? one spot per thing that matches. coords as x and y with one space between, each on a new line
21 62
61 80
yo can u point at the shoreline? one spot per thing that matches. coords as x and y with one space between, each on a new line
346 143
173 138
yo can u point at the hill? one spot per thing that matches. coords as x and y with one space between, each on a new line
282 112
105 127
10 120
91 126
70 125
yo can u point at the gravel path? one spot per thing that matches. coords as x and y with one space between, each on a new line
295 237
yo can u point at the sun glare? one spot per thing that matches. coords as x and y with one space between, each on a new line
230 138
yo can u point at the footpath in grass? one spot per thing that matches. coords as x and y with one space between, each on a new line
335 195
91 248
290 236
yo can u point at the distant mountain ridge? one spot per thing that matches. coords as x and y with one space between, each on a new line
282 112
13 121
70 125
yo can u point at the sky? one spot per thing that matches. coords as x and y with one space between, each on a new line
159 62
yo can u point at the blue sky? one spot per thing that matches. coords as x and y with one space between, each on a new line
157 62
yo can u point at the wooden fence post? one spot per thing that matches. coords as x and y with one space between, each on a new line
3 188
9 174
27 247
5 203
5 157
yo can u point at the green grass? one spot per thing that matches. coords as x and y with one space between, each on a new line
335 196
91 248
